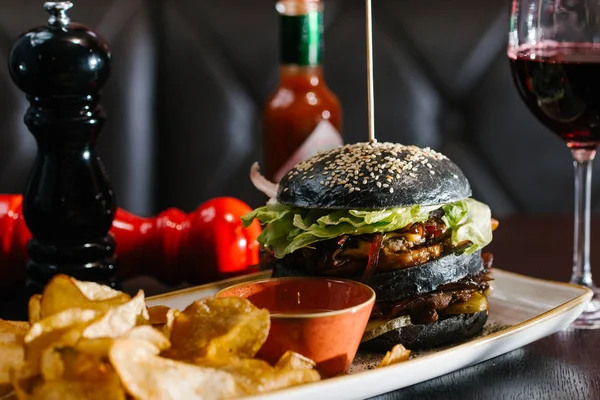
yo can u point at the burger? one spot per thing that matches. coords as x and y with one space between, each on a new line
398 218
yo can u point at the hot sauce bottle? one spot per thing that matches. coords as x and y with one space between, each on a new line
302 116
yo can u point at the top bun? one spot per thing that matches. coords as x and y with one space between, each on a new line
373 176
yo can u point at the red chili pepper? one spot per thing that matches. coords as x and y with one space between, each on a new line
221 238
206 245
374 250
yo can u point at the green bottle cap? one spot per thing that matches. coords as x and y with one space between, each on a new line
301 38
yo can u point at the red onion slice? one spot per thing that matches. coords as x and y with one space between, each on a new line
261 183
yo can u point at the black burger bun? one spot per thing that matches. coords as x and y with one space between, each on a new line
450 330
427 277
405 282
373 176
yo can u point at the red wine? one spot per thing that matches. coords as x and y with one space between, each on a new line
561 86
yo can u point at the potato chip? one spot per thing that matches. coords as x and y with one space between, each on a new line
11 356
62 329
88 341
73 365
79 366
150 335
24 380
219 327
14 327
147 376
283 378
97 292
96 347
11 350
162 318
63 293
398 354
34 307
255 376
7 393
106 389
158 315
119 320
292 360
52 367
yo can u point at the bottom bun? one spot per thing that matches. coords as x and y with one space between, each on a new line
418 337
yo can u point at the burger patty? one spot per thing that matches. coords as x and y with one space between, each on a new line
425 308
352 255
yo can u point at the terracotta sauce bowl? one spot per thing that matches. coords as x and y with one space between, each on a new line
322 319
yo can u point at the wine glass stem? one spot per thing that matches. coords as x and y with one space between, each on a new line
582 162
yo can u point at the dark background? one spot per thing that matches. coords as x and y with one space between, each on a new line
190 77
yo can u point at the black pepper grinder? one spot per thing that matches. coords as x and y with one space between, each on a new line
68 203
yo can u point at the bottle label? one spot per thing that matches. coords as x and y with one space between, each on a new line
301 38
324 137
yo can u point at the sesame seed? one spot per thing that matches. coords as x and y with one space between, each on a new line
432 172
391 190
351 190
378 184
356 162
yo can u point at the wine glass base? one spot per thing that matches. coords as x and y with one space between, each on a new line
590 317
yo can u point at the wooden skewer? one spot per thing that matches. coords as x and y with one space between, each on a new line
370 85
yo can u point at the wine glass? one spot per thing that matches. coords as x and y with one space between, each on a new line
554 51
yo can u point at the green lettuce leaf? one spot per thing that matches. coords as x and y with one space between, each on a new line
287 229
470 220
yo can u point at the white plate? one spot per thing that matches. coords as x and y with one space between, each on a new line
522 310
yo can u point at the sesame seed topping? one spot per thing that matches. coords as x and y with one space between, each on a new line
391 190
359 163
